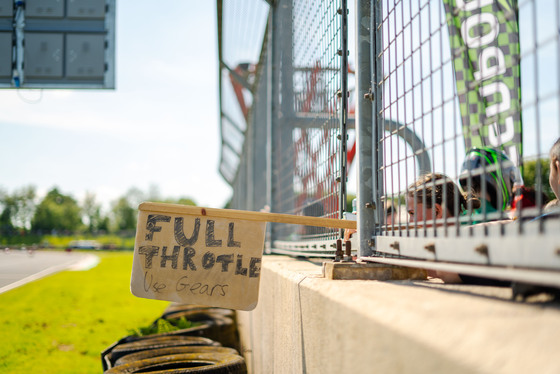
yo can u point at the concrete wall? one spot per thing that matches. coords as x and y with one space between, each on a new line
305 323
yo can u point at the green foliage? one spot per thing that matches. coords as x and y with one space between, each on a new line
23 221
349 198
17 210
106 241
6 226
20 238
61 324
92 212
162 325
57 212
124 215
536 173
181 201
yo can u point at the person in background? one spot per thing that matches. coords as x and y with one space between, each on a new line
552 204
492 177
435 196
391 213
527 197
554 176
392 218
551 209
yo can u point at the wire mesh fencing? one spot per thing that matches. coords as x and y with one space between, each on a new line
455 109
285 155
477 84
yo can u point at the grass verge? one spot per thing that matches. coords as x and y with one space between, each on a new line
60 324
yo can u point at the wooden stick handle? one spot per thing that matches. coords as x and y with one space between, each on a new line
248 215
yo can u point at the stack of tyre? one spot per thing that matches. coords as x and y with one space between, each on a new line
212 346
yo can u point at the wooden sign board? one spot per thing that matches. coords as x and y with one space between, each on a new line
187 255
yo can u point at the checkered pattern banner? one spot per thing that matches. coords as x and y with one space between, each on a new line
484 39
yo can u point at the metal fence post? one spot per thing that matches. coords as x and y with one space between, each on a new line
270 58
282 108
364 140
343 110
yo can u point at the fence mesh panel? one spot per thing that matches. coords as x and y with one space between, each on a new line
450 69
307 177
465 109
477 83
280 135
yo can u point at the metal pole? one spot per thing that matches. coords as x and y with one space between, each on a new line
378 115
364 140
343 52
415 143
269 106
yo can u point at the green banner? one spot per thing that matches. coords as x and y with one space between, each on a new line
484 39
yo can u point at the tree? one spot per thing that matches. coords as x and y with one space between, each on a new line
186 201
104 225
17 210
92 212
153 193
535 173
134 196
55 213
349 198
26 206
6 217
124 215
181 201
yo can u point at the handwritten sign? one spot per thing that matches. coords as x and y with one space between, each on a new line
185 254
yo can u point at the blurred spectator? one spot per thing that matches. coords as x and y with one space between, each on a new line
434 196
552 204
526 197
554 176
491 176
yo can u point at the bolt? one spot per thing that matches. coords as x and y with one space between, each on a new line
371 242
482 249
348 248
338 254
339 52
339 93
395 245
348 251
430 247
370 206
557 251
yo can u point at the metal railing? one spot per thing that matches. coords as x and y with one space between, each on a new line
324 99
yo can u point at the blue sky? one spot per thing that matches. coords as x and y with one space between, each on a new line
159 127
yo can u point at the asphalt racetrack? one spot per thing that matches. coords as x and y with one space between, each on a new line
18 267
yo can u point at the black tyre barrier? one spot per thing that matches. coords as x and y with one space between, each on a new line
129 344
214 325
151 353
174 308
208 363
